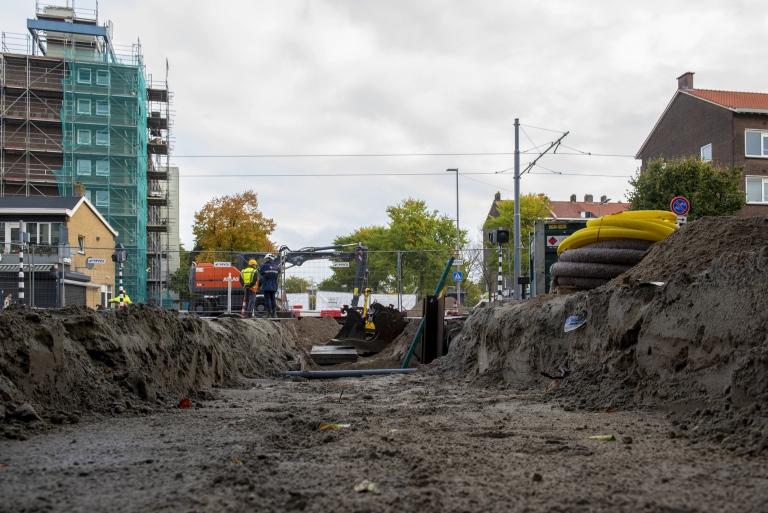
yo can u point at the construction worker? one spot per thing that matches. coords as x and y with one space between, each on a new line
269 272
116 300
249 279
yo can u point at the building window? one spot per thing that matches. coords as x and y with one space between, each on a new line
102 108
586 215
757 189
88 195
756 143
102 198
45 233
84 76
83 106
83 137
81 244
102 77
84 167
706 153
32 230
55 234
102 168
102 138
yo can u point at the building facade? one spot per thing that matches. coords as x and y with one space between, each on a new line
726 127
76 109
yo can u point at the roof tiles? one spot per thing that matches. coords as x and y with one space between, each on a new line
731 99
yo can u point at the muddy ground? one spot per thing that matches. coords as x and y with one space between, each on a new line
89 402
428 443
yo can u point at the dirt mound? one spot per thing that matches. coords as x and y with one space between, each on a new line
312 331
77 359
697 346
696 245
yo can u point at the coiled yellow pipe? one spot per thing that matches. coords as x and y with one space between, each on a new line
653 225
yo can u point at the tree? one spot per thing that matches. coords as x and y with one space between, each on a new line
232 222
294 284
180 277
712 190
533 206
429 236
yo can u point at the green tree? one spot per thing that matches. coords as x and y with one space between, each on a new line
411 227
180 277
712 190
533 206
295 284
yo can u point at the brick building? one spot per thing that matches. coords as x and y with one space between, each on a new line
75 108
49 258
726 127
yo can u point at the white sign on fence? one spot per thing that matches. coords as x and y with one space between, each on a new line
222 264
332 300
298 301
340 264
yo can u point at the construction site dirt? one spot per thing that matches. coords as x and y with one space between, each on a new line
674 373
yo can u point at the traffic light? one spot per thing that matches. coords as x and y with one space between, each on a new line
119 255
498 236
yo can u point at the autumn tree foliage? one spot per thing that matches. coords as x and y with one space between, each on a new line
232 222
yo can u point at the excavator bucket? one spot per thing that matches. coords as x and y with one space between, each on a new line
388 324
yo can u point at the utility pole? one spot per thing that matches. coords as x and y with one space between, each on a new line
458 283
516 287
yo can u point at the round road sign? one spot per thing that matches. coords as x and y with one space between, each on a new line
680 206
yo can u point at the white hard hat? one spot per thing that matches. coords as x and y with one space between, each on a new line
270 256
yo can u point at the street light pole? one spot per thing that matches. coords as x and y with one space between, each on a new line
515 286
601 204
458 284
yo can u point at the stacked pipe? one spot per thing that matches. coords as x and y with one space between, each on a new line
608 247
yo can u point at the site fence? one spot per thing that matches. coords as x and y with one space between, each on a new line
45 274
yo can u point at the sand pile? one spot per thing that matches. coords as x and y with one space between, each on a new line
77 360
312 331
697 343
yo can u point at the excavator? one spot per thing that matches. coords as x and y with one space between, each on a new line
369 328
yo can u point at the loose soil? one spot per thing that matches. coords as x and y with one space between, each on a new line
90 402
429 444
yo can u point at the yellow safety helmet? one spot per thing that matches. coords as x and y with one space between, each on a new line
253 262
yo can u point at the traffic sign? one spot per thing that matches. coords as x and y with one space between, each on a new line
458 262
457 276
96 261
680 205
339 264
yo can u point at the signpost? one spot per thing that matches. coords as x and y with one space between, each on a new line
458 262
457 276
680 206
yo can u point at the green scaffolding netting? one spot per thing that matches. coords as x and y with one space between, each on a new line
104 124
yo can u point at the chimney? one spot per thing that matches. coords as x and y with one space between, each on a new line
603 198
573 198
587 198
498 196
685 81
78 190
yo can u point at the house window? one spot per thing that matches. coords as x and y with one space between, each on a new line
84 76
81 244
102 168
102 198
83 137
32 230
83 106
102 77
55 234
756 143
586 215
102 108
706 153
757 189
102 138
83 167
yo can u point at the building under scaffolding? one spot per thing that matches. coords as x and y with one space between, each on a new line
77 109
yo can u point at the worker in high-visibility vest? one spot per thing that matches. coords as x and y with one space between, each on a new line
116 300
249 279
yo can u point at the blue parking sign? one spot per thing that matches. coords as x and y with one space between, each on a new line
457 276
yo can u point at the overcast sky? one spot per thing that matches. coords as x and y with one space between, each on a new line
357 77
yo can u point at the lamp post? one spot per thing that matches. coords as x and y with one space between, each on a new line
601 204
458 284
